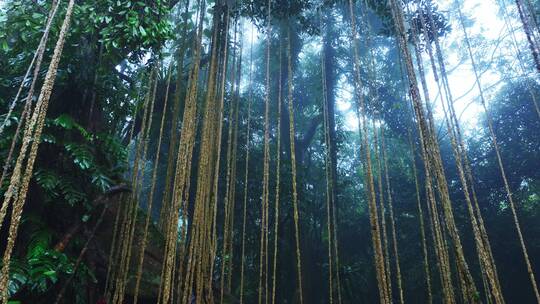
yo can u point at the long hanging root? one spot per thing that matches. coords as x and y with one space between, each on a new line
333 259
518 54
378 156
263 254
292 139
500 163
173 132
458 153
18 187
130 219
529 34
246 172
430 144
384 229
227 229
441 251
112 251
230 181
198 278
327 179
380 267
150 199
235 155
487 263
37 60
427 273
119 223
392 219
167 204
278 179
182 173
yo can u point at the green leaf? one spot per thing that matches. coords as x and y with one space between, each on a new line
143 31
71 194
65 121
101 181
82 156
49 273
47 179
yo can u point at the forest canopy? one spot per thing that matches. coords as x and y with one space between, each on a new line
276 151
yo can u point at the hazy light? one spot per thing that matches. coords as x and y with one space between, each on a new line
486 33
487 25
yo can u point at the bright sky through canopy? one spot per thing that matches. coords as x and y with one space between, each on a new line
491 41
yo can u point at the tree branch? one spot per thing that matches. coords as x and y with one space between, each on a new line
76 227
